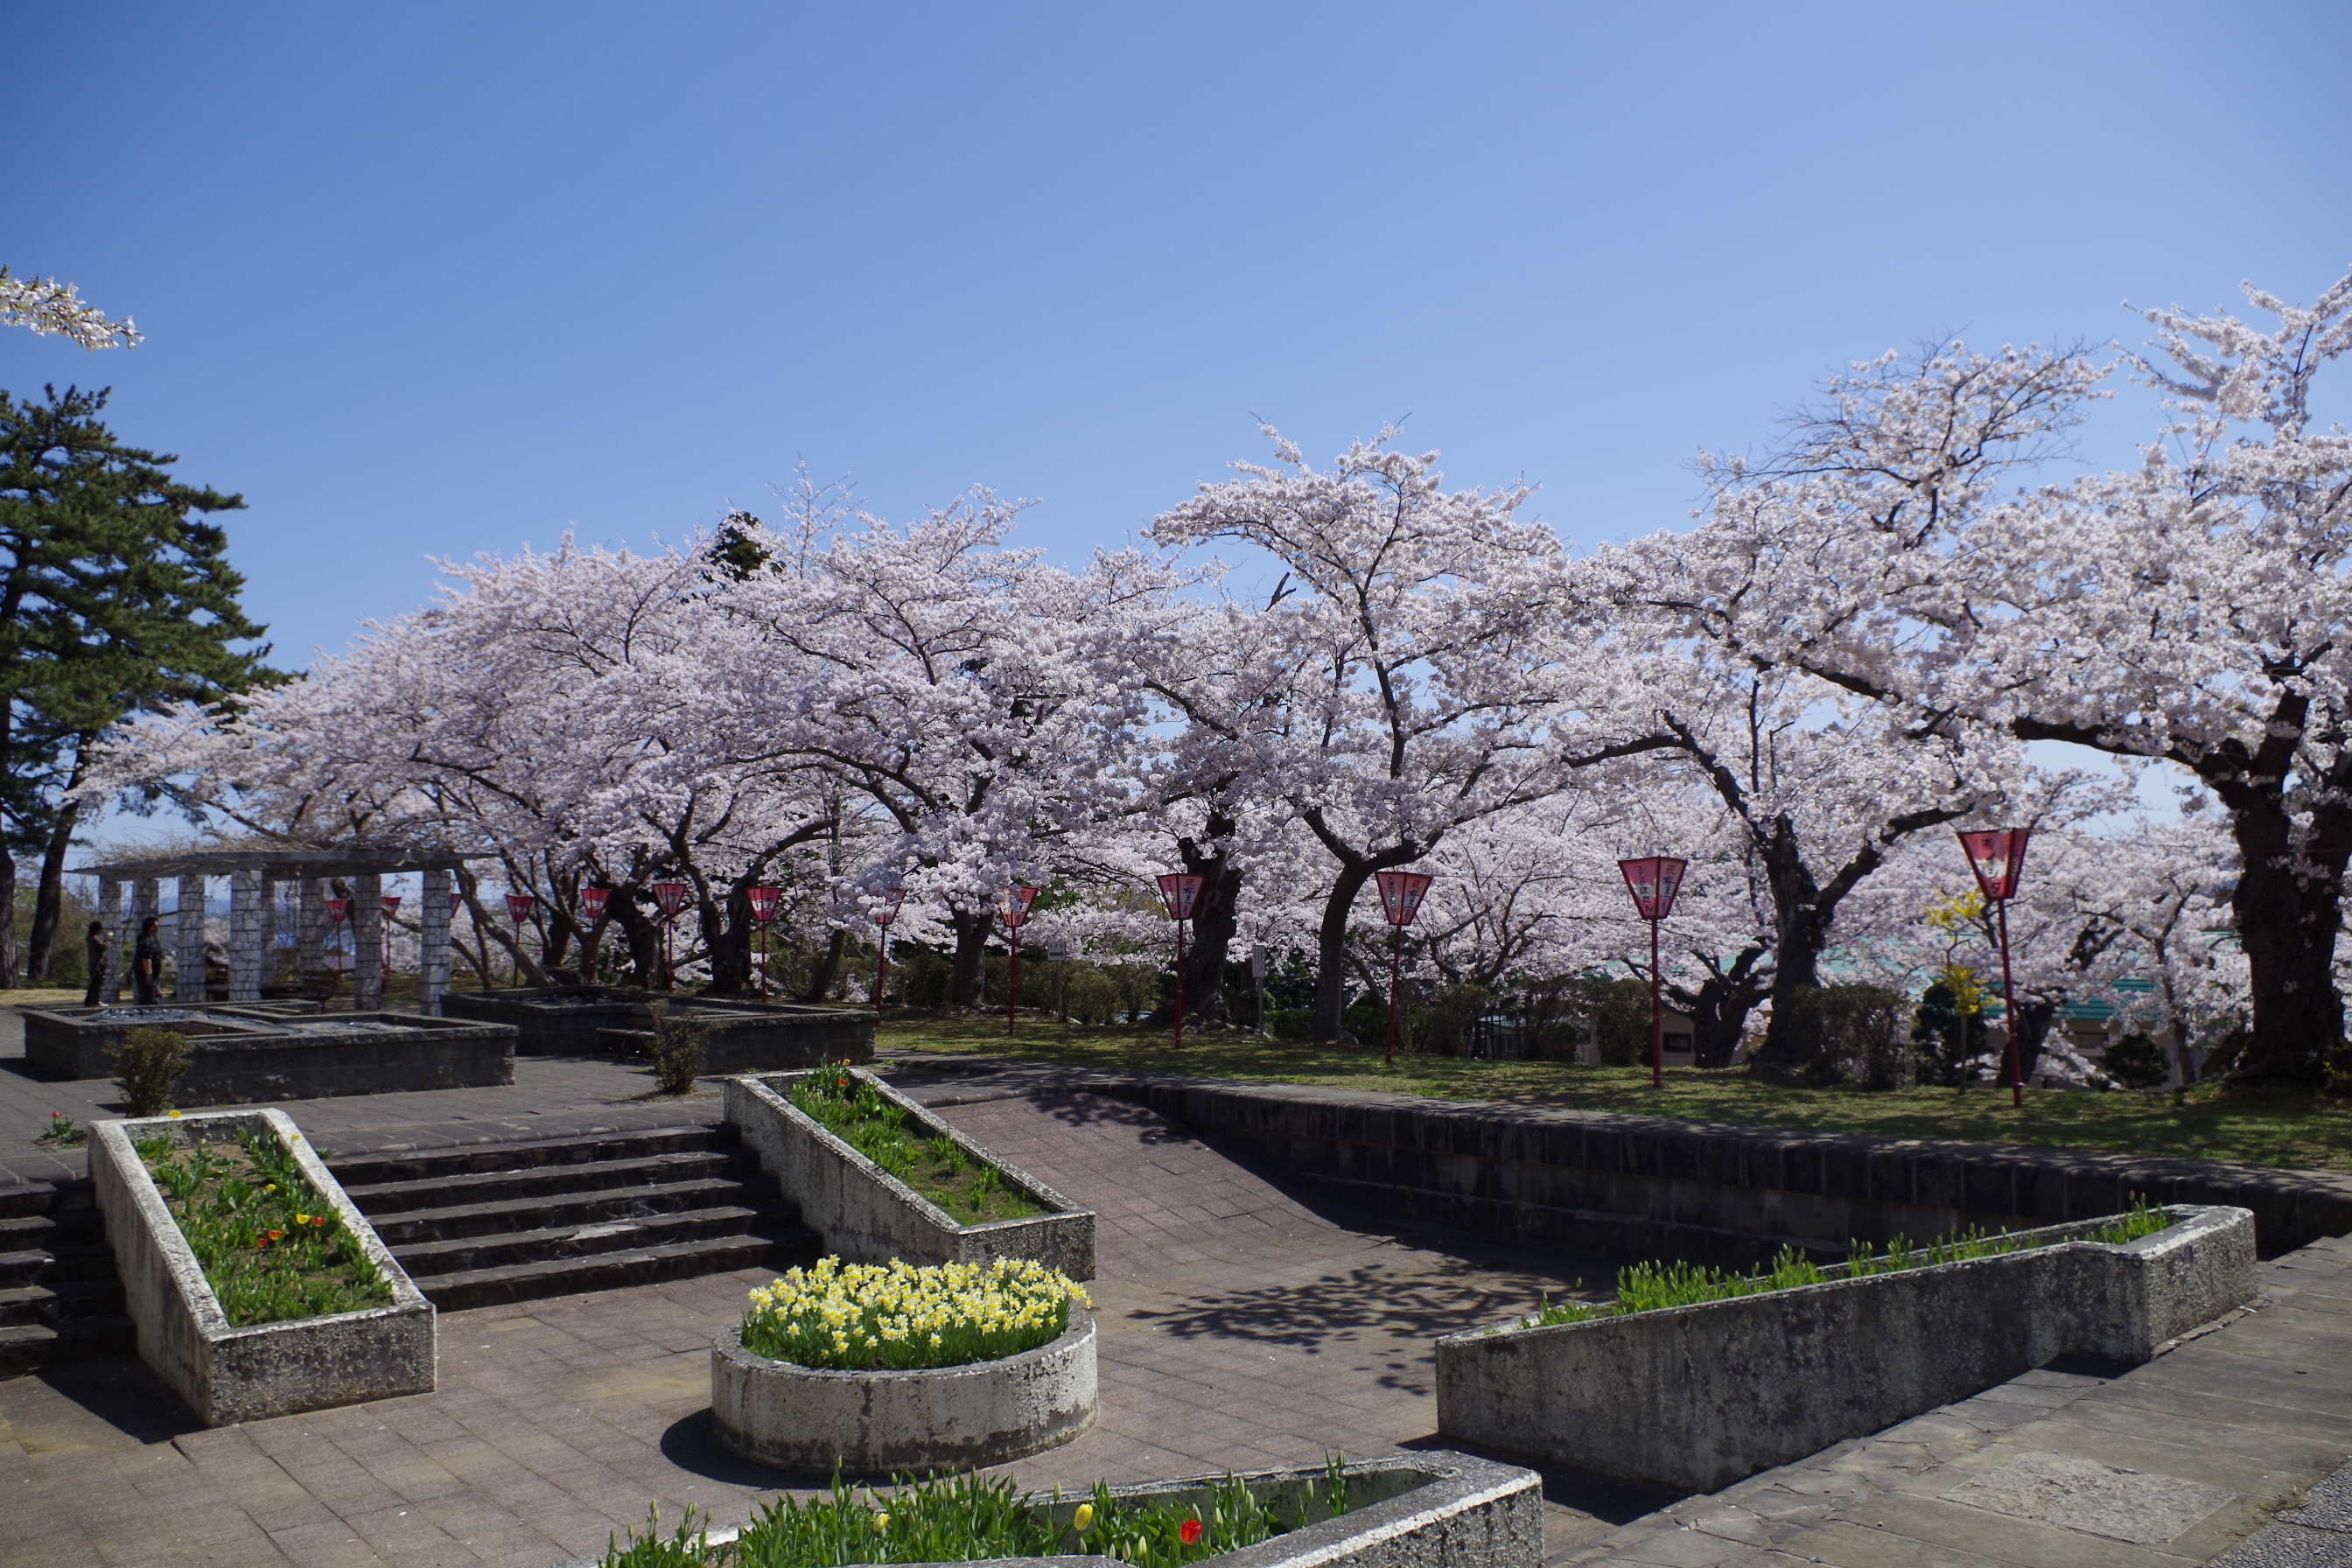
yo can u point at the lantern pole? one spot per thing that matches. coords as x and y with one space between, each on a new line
1657 1017
1179 892
1401 896
1013 976
2006 847
1396 979
2009 1006
1653 880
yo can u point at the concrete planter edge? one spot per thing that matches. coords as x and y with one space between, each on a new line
868 1216
813 1419
225 1373
1446 1511
1699 1396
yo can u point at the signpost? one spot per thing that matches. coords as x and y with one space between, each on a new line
1012 904
1997 856
882 960
518 910
1401 896
669 897
765 901
1653 881
1180 890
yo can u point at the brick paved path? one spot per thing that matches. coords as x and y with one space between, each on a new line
1240 1328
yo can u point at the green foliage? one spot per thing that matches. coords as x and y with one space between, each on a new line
1617 1014
1959 1247
687 1547
2139 1221
969 1517
679 1046
271 1247
2135 1061
897 1317
148 1062
61 1132
1948 1037
1848 1031
972 1191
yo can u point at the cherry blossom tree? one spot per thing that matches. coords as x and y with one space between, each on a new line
55 308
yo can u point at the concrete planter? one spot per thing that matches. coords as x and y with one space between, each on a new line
254 1052
876 1422
1427 1509
72 1042
1697 1397
868 1216
616 1021
228 1375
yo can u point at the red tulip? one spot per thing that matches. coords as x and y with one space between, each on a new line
1188 1533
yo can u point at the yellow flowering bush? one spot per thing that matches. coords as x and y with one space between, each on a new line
864 1317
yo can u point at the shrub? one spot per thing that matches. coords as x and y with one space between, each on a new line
2135 1061
148 1064
1848 1031
865 1316
677 1049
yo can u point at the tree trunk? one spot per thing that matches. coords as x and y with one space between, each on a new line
1793 1035
49 901
643 937
1718 1009
7 919
2288 924
1216 915
2033 1019
971 971
828 966
1331 952
727 934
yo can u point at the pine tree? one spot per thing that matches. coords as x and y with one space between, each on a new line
113 599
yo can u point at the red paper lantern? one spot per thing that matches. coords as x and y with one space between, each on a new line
391 903
1653 881
456 902
1997 855
591 901
336 910
1013 904
884 917
518 907
1401 895
764 901
671 898
1179 892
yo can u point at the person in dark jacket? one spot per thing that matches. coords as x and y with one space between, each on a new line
99 942
147 964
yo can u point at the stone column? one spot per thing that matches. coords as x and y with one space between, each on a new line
244 894
433 964
188 941
117 958
367 929
310 933
146 894
269 928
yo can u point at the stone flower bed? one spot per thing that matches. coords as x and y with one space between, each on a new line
868 1215
1699 1395
1429 1509
310 1310
871 1369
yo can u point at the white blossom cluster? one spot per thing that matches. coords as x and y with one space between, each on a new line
52 308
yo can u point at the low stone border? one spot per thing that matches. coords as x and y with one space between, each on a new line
877 1422
228 1375
1697 1397
72 1042
868 1216
747 1035
1434 1509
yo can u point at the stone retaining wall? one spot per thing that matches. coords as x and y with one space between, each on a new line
1703 1190
1697 1397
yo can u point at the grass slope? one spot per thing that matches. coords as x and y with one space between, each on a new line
2297 1132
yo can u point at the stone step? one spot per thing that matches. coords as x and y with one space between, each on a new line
606 1271
416 1195
20 1199
471 1253
415 1166
510 1214
28 1348
56 1265
25 1305
33 1233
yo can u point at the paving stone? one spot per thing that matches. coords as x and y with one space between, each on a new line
2137 1506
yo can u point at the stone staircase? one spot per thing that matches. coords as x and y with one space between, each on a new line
60 1299
517 1222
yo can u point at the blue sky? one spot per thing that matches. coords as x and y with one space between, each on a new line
431 279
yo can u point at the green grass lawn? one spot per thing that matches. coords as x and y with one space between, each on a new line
2298 1132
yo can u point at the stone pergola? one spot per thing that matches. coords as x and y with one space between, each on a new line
253 913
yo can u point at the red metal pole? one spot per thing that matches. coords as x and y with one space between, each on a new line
669 967
2009 1006
1013 990
1657 1019
1179 985
881 968
1396 961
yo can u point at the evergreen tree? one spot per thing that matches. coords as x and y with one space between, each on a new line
113 598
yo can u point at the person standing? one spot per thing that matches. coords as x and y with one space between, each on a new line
97 945
147 964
